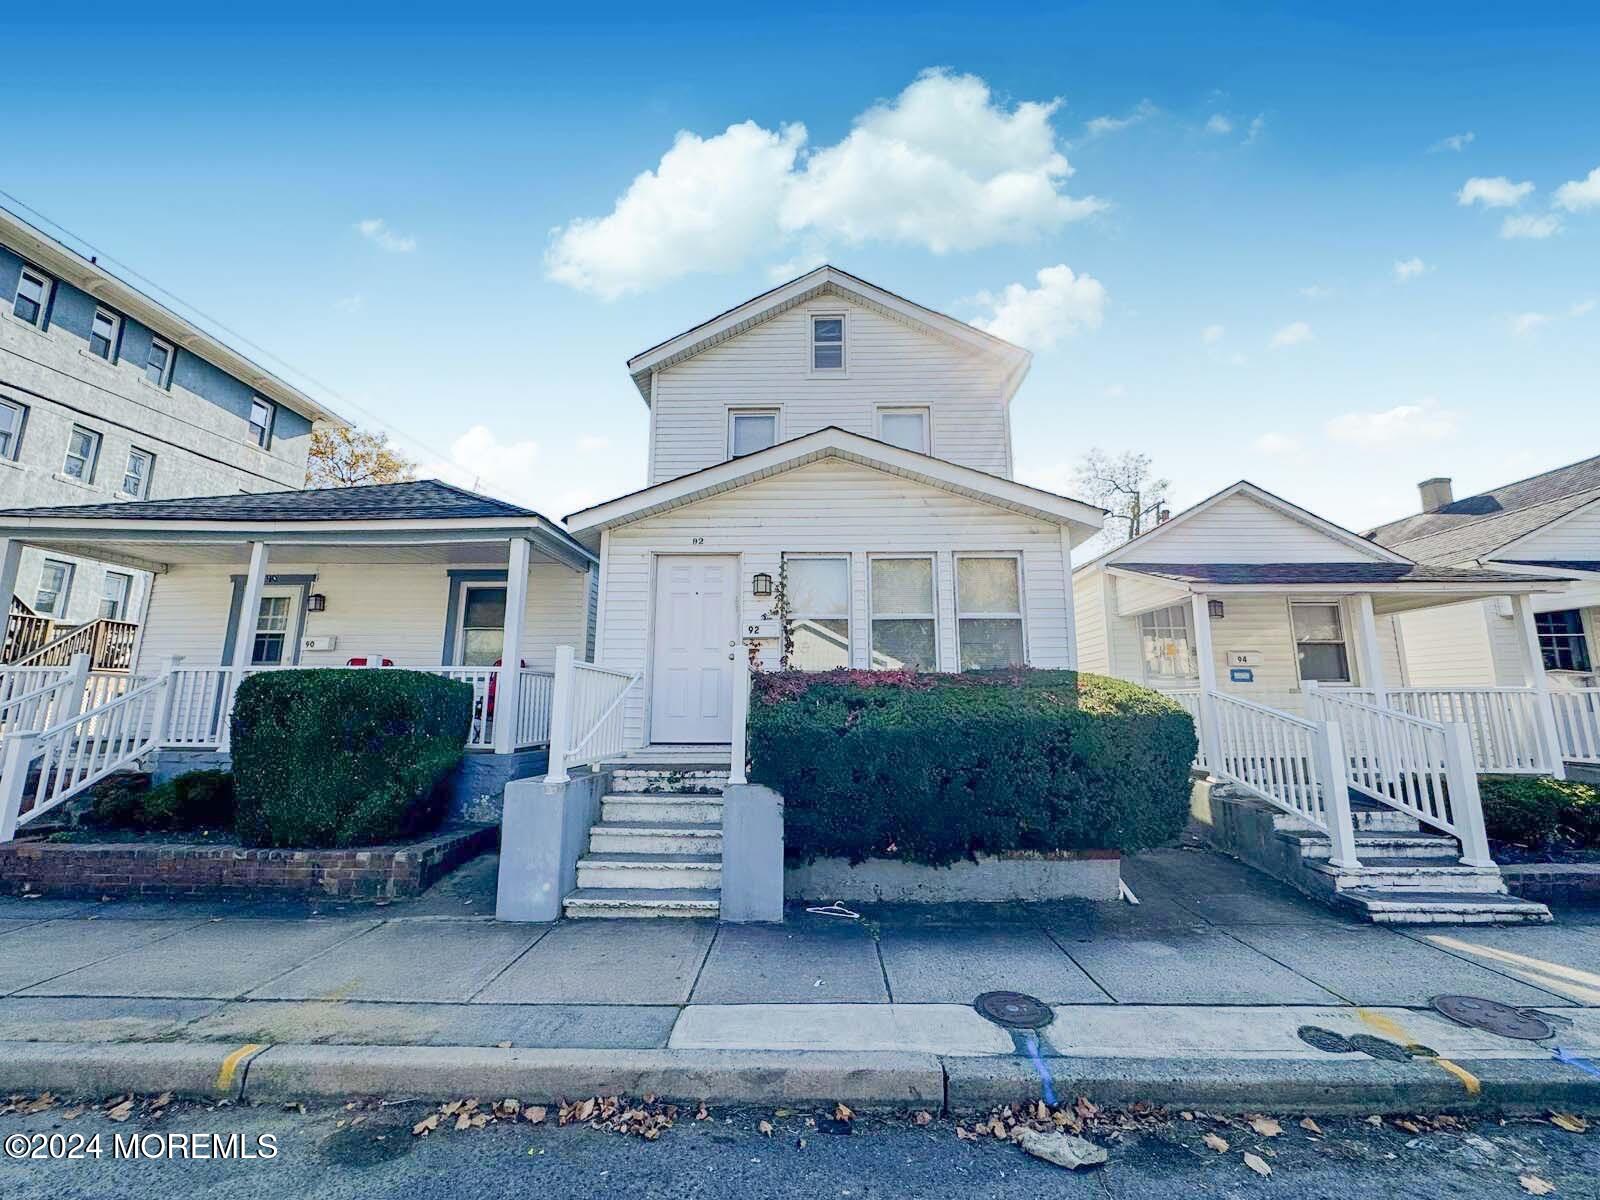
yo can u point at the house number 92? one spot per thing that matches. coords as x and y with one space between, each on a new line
697 541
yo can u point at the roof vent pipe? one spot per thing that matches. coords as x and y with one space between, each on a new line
1436 494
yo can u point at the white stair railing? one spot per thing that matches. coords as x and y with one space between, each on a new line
1578 723
1504 723
1419 767
78 752
587 717
1290 762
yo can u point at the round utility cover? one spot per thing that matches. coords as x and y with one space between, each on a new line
1014 1010
1379 1047
1325 1039
1493 1017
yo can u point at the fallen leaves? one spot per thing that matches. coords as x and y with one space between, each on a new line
1216 1142
122 1111
1257 1164
615 1114
922 1117
764 1128
1569 1122
842 1112
1077 1116
1265 1126
1535 1186
1310 1126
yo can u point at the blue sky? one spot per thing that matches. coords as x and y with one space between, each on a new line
1275 266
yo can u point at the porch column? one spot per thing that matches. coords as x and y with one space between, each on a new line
10 560
1206 662
1371 651
244 637
1533 671
508 691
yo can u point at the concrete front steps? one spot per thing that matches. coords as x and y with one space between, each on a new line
657 848
1407 876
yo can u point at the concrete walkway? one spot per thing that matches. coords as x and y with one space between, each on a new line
1216 964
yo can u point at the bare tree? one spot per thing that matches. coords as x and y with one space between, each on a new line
1124 485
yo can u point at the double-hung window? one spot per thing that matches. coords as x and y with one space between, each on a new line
751 429
158 363
83 447
817 596
103 334
12 415
114 596
906 428
904 628
261 422
827 343
483 624
1562 641
1319 643
55 588
989 611
272 632
1167 645
33 297
136 478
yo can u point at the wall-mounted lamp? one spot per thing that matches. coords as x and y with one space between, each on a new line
1214 609
761 584
316 602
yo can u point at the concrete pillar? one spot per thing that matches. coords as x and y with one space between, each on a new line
508 690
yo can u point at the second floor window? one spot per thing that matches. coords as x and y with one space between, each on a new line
750 430
158 363
33 295
114 599
136 479
103 335
11 418
261 422
83 447
1562 641
904 427
55 587
827 343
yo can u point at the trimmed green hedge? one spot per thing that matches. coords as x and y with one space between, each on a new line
196 800
344 757
932 768
1535 810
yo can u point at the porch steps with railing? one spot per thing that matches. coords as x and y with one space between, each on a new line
657 848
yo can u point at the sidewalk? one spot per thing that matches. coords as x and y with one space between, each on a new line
1194 996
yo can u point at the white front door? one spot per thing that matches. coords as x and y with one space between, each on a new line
696 636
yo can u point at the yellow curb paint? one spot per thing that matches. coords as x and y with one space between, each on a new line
1467 1078
231 1064
1392 1029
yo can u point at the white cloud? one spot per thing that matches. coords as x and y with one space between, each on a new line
1498 192
591 442
481 461
1258 126
1582 308
1100 126
350 304
1039 317
1408 268
1316 292
1293 334
1578 194
376 230
1403 425
1219 124
1526 225
1456 141
1525 323
1276 444
1212 334
944 166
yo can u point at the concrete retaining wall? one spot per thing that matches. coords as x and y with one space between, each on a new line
543 831
1554 883
752 853
1083 875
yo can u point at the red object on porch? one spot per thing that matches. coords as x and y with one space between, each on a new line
494 679
365 660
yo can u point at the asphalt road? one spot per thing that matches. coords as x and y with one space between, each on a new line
367 1152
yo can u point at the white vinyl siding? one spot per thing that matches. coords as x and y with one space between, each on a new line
1240 530
1461 645
1576 539
831 507
1088 603
891 364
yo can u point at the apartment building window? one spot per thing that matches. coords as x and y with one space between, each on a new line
136 478
158 363
103 334
55 587
905 427
114 597
751 429
1319 642
261 422
989 611
33 297
12 416
83 447
827 343
1562 641
904 627
1167 645
817 590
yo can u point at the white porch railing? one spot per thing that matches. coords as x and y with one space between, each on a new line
1188 699
1503 721
533 708
587 715
1577 713
1289 762
1420 767
485 683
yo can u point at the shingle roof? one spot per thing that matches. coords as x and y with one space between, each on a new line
423 500
1377 573
1475 526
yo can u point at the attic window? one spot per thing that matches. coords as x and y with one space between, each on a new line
827 343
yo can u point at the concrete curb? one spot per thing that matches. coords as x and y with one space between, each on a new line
211 1070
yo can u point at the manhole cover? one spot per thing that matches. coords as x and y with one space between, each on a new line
1379 1047
1326 1040
1493 1017
1014 1010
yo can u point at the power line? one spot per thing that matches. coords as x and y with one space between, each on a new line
101 257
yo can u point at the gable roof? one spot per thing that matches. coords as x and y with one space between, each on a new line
1367 573
833 442
1472 528
825 280
61 261
1259 494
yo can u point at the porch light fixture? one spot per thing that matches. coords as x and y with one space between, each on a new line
1214 610
316 602
761 584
